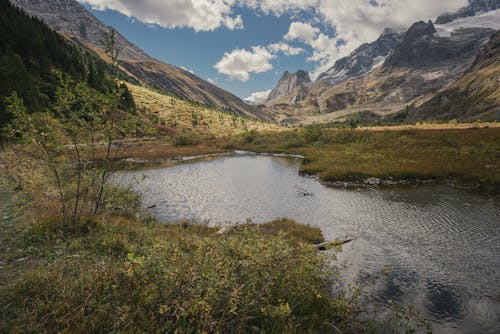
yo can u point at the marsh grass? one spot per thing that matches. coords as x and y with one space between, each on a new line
466 156
122 272
296 232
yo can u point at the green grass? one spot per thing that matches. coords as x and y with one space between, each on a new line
124 275
465 156
295 232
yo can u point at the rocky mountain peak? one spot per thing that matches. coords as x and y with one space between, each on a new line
423 48
388 32
291 86
420 29
363 59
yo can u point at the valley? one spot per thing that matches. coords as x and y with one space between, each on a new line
138 196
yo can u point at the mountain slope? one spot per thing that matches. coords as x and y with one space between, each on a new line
475 96
71 19
291 88
34 59
417 65
363 59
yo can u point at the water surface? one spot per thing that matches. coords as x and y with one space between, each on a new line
432 246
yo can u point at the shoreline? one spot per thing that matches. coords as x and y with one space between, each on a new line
368 183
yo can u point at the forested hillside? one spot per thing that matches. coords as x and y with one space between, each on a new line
34 60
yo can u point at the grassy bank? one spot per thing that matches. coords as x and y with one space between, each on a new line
124 275
121 271
468 156
465 156
128 275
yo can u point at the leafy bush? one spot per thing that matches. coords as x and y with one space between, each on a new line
185 140
125 276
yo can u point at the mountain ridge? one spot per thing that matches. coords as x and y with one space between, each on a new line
475 96
363 59
71 19
291 88
418 64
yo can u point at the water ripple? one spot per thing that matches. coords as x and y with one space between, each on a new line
434 247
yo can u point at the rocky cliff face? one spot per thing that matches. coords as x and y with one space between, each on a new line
474 7
364 59
419 63
291 88
474 96
422 48
72 20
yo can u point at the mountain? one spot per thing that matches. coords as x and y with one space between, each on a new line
422 48
474 7
34 58
474 96
291 88
71 19
398 71
363 59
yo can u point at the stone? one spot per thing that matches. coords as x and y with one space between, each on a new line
373 181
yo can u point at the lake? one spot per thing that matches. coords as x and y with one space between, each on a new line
431 246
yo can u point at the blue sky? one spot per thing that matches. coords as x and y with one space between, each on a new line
200 51
244 46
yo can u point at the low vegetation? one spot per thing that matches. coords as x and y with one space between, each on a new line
124 272
465 156
175 117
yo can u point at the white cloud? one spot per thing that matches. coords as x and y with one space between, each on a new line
285 48
303 32
258 97
239 63
201 15
354 21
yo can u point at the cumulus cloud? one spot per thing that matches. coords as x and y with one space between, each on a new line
239 63
201 15
258 97
285 48
354 21
303 32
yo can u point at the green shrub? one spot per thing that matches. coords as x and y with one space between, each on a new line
185 140
178 279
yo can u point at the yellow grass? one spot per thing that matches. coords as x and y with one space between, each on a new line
434 126
177 115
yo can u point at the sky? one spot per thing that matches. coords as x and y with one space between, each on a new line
244 46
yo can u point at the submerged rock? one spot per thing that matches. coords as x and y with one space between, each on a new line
373 181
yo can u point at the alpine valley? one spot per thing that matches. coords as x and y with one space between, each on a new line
442 70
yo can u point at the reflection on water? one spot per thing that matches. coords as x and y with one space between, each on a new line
434 247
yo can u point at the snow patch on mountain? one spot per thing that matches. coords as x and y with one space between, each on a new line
481 20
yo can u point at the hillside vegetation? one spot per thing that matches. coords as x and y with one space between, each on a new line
36 63
172 115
